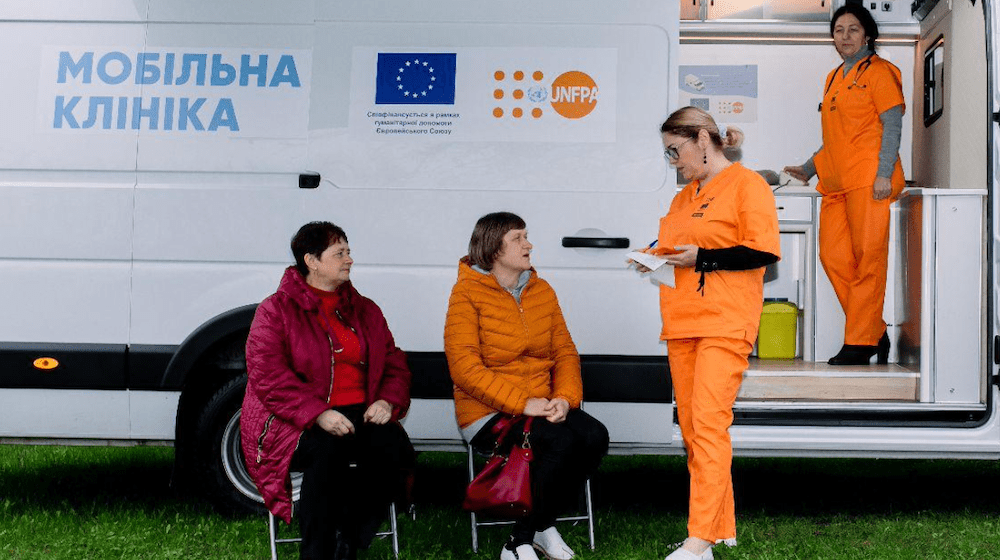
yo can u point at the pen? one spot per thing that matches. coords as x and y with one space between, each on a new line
651 245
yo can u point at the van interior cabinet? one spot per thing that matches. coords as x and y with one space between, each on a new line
944 317
792 277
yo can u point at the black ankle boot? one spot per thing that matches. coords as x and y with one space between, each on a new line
882 350
861 355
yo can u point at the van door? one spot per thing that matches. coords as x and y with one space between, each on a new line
217 196
67 177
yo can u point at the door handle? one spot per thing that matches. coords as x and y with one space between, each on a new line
309 180
596 242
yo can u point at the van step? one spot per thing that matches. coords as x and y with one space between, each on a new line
799 380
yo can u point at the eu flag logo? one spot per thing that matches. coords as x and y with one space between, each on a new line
415 79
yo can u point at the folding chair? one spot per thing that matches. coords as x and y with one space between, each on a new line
275 539
588 516
272 531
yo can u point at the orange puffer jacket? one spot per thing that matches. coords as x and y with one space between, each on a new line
500 353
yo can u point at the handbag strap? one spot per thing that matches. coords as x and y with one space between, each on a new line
503 428
527 430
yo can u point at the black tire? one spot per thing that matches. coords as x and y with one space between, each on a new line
223 475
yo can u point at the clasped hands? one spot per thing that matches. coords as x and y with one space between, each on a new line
553 410
333 422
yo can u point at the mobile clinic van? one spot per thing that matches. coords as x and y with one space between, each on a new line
156 156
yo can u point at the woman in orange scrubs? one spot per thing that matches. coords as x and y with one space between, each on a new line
723 230
859 177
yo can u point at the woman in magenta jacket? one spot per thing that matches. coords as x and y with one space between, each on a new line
326 389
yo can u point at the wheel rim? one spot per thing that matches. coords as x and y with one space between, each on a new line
236 470
232 460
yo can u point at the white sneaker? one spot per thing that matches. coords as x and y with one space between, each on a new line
551 544
682 554
522 552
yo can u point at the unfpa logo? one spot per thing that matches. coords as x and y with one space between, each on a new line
573 94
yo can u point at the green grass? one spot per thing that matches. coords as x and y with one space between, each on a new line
115 503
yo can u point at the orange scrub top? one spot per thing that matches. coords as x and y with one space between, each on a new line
852 131
735 208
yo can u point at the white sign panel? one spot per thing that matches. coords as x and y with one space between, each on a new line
484 94
252 93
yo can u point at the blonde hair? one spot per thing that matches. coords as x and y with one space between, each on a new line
689 121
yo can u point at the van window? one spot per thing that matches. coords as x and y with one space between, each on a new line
934 82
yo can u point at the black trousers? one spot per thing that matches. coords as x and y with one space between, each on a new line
565 455
348 482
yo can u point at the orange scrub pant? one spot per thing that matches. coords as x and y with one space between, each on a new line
706 374
854 250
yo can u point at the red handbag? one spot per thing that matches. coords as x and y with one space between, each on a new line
503 488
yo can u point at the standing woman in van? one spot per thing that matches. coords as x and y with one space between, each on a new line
510 354
724 227
326 389
859 176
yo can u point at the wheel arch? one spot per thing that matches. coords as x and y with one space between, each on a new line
194 348
198 369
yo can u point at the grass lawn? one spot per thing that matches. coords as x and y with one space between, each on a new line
115 503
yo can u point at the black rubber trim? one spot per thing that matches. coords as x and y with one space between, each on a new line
596 242
861 418
146 365
630 379
637 379
81 366
430 375
194 346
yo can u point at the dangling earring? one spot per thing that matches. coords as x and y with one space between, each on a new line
704 158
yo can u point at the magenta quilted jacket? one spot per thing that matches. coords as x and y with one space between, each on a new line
289 364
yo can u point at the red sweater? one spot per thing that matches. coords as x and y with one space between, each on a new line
348 378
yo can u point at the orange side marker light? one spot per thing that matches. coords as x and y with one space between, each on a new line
46 364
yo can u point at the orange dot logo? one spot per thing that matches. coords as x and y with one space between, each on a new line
536 113
574 94
497 112
498 94
517 112
498 75
738 107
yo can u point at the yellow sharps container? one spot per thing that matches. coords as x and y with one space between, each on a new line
778 332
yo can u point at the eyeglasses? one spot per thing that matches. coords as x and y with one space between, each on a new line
670 152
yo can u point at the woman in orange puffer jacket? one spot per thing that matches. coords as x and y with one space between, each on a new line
510 353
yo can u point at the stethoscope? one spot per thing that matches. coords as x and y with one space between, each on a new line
862 66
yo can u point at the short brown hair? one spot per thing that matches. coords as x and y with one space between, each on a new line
312 239
487 237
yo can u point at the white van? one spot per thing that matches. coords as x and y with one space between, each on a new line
157 155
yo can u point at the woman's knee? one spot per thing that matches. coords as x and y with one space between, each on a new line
589 432
388 442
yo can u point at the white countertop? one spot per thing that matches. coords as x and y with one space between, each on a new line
798 190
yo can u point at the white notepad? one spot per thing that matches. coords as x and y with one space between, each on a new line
661 271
